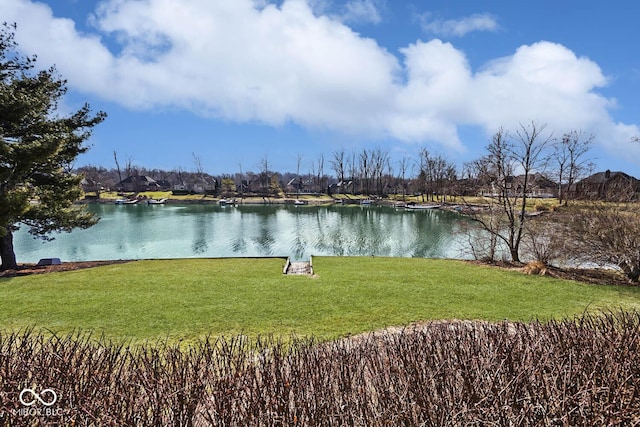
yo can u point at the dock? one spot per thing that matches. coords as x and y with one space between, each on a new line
298 268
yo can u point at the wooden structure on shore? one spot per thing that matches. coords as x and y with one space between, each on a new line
298 267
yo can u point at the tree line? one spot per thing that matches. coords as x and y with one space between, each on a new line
367 171
531 161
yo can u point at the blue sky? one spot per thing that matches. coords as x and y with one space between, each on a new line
235 81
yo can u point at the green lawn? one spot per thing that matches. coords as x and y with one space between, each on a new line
187 299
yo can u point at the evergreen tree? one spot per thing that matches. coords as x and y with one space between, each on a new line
37 149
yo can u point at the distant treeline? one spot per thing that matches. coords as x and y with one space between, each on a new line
368 172
519 163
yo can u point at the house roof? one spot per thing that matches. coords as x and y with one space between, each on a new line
301 181
602 177
543 181
536 179
203 180
138 179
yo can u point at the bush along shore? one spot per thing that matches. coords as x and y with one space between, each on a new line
584 371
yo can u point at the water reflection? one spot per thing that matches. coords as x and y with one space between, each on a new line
200 235
169 231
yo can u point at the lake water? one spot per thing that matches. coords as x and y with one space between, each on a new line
185 231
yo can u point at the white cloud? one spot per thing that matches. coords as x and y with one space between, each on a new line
254 61
460 27
362 11
544 80
228 59
81 59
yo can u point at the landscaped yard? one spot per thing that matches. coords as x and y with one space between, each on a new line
191 298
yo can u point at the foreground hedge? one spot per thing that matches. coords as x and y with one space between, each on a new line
580 372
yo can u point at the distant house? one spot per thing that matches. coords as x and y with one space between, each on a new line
465 187
606 185
253 186
164 184
299 185
138 183
204 185
541 186
341 187
89 185
181 187
243 187
538 185
294 185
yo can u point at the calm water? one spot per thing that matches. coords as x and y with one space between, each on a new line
170 231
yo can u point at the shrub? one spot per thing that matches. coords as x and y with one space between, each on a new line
608 234
536 267
541 206
576 372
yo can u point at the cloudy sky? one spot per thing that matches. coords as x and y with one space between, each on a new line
236 81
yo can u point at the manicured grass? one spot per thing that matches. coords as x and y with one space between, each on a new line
187 299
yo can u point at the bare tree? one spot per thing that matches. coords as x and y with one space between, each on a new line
265 175
338 163
365 170
95 176
404 165
541 240
197 162
524 152
115 158
607 233
320 174
298 177
423 175
569 154
379 160
129 168
435 173
353 170
391 181
242 185
441 172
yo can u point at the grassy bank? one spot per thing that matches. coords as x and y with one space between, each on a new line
189 299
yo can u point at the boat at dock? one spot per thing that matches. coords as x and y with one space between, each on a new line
156 202
421 207
126 201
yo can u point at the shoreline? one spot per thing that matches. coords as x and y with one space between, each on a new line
592 276
287 200
213 201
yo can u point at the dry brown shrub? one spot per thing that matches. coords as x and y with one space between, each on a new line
583 371
535 268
